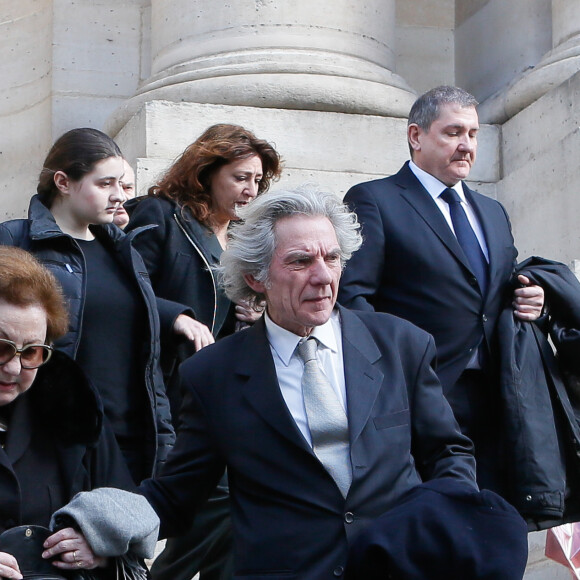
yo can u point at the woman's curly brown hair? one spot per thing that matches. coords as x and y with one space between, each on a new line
187 181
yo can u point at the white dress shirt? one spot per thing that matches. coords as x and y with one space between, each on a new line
435 188
289 367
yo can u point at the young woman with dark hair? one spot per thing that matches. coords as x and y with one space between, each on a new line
114 325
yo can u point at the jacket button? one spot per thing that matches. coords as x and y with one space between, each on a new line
349 517
484 317
473 281
338 571
528 498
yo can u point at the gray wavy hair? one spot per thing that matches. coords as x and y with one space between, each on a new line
252 241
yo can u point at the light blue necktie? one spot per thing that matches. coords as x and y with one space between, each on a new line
327 420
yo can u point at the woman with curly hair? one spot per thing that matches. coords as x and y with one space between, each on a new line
192 206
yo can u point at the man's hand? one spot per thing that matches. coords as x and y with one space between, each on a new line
73 549
194 331
528 301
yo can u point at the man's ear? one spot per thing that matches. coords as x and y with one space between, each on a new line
62 182
254 284
413 133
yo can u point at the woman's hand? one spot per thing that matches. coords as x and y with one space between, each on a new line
193 330
73 549
9 567
245 312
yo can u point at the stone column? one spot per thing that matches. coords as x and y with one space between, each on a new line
328 55
25 105
565 26
557 66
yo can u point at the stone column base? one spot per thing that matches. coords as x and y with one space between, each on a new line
334 150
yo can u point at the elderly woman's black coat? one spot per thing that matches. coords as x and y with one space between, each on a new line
56 433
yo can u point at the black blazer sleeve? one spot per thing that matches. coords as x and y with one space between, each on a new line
363 273
150 244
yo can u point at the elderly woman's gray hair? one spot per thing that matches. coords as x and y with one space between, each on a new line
252 240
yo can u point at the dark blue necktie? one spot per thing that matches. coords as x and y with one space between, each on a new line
467 238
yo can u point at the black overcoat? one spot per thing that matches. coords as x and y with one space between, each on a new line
57 433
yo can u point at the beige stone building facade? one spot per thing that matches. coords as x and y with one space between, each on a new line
330 82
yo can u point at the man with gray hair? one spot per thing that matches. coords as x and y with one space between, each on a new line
442 256
323 417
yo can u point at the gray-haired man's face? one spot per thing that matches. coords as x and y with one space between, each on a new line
304 273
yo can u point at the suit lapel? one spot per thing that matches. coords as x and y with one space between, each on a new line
363 379
261 388
413 192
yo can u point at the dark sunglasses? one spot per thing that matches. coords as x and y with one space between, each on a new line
32 356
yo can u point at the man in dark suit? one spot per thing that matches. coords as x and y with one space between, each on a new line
442 256
317 443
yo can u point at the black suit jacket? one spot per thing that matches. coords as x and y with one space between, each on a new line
289 518
411 265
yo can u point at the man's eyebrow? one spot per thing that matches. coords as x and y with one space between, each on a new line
461 126
293 254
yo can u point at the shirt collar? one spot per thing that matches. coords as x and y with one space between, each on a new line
284 342
433 185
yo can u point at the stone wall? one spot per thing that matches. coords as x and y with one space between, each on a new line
64 65
25 99
426 33
541 184
494 46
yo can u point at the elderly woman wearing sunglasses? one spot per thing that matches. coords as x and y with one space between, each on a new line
52 440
